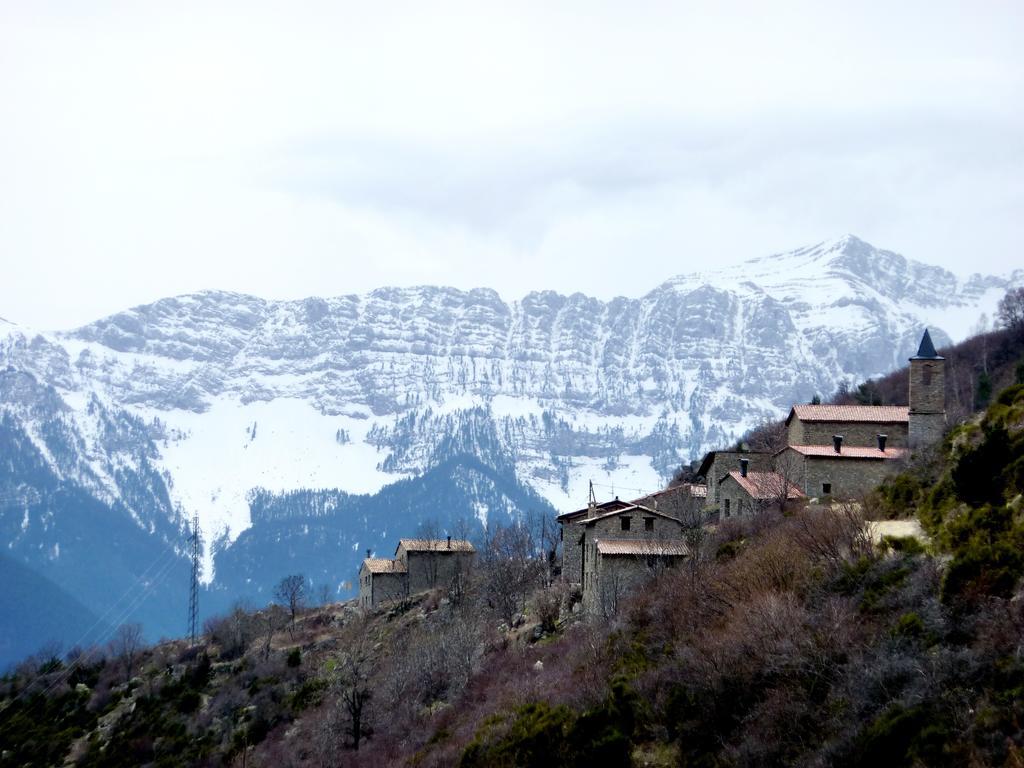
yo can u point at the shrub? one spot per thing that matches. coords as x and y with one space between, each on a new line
907 545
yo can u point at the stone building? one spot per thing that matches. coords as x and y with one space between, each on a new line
927 394
718 464
838 470
858 424
842 450
572 535
641 540
419 565
382 580
679 502
742 492
622 565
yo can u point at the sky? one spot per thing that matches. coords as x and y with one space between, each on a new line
301 148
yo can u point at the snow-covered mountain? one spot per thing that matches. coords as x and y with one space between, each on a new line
209 396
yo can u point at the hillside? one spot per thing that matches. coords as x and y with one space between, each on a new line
24 624
791 640
332 413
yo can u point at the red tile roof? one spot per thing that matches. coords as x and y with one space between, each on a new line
849 452
879 414
765 485
657 547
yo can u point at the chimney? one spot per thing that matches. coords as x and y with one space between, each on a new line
881 442
368 553
744 466
837 443
449 542
591 508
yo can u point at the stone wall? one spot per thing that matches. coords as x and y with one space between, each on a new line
854 433
928 385
617 576
726 461
849 478
611 528
926 428
365 588
740 504
388 587
572 551
429 569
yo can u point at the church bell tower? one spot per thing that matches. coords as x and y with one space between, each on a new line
927 394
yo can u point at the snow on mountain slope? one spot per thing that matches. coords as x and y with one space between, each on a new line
354 392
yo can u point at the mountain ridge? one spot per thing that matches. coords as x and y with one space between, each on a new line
202 398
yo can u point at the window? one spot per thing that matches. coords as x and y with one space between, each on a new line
648 523
826 489
727 505
625 523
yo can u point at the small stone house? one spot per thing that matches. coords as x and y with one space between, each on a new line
622 548
677 502
572 535
742 493
718 464
419 565
382 580
839 470
622 565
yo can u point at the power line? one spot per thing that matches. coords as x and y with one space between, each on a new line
641 491
135 602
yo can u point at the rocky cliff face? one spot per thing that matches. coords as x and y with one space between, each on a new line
215 394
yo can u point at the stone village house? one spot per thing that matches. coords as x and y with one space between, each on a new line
611 547
418 565
837 451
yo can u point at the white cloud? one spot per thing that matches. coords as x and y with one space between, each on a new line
331 148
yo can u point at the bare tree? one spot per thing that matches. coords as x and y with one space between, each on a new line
780 484
125 645
429 531
1011 310
291 593
273 619
511 568
325 594
352 675
767 437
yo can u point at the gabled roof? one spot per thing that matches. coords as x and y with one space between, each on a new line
631 508
642 547
877 414
615 503
764 485
435 545
384 565
927 350
848 452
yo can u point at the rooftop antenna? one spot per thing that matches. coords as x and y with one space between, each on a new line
593 498
193 597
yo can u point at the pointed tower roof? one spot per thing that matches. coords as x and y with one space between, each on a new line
927 350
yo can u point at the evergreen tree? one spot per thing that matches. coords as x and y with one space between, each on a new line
983 394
